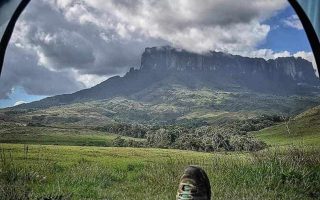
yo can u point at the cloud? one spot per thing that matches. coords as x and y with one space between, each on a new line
270 54
60 46
19 103
308 56
21 69
264 53
74 39
209 25
293 22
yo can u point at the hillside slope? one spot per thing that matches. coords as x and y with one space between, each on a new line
166 105
304 129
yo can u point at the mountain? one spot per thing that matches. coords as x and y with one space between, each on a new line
168 66
176 86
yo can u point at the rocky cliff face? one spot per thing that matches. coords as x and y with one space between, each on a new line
230 66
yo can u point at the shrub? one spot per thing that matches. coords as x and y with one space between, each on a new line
119 142
246 143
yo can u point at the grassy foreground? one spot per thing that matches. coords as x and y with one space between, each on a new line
69 172
10 133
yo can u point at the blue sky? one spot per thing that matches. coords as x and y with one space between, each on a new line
58 51
19 96
285 38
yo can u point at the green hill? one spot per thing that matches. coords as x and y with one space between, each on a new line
304 129
166 104
12 133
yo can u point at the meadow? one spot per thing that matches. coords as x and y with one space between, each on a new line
69 136
73 172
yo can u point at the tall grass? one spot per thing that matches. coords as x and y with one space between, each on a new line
46 172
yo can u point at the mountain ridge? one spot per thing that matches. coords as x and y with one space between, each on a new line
281 76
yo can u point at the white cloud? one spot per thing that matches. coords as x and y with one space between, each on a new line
308 56
87 41
188 24
264 53
293 21
270 54
21 69
89 80
102 38
19 103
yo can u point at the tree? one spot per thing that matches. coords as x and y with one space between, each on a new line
119 142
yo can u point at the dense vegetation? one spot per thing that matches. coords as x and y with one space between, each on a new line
229 135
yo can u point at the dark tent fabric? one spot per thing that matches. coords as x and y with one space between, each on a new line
309 14
11 9
312 9
7 8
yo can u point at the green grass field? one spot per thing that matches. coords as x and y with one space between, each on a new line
57 136
71 172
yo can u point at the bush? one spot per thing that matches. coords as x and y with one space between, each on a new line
119 142
204 138
232 136
246 143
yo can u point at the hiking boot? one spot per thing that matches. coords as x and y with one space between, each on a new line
194 185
